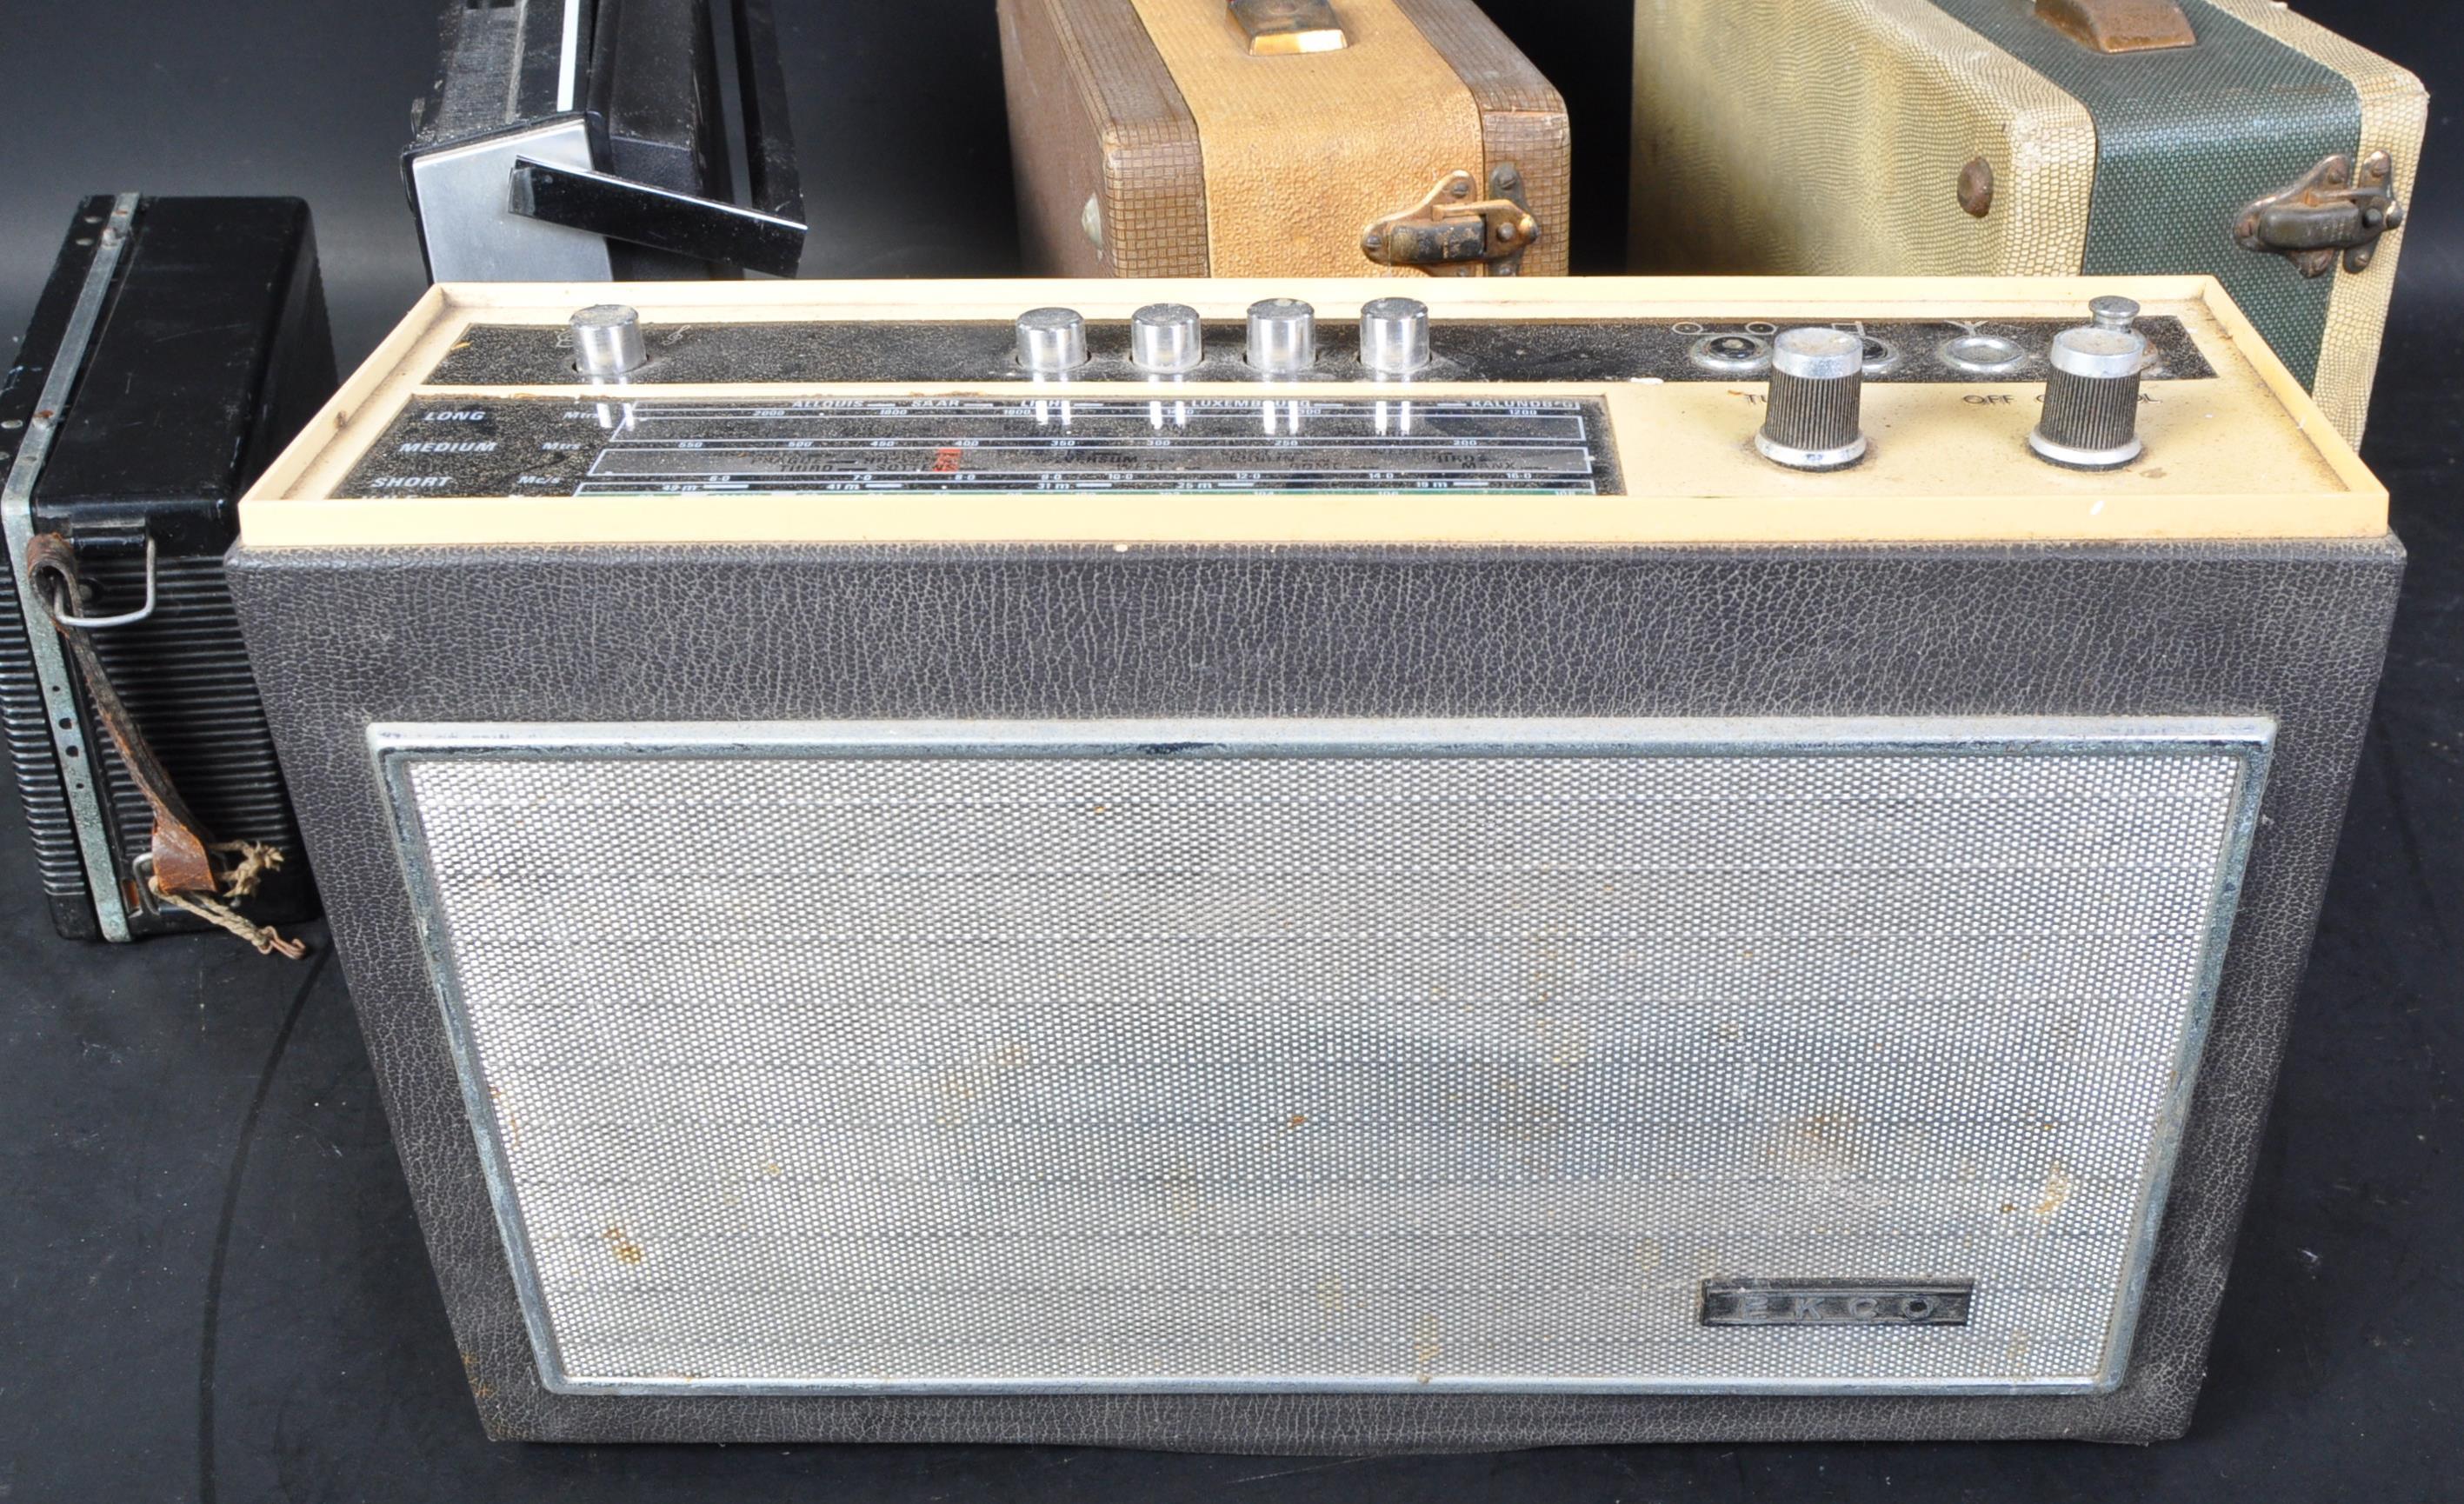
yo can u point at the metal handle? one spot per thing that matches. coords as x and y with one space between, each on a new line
92 624
1284 27
769 144
603 203
766 236
2120 26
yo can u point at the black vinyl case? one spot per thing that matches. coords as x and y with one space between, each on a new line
195 333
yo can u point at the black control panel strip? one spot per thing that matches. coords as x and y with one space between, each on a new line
542 447
1556 350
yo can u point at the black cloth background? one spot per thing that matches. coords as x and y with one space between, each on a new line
210 1284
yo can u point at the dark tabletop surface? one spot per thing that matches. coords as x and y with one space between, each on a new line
210 1283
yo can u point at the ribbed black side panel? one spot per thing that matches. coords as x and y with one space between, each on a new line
33 762
185 676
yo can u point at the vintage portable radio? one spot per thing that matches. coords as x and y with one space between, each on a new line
2010 137
1279 138
179 345
595 139
1266 866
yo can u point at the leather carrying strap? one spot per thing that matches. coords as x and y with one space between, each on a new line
181 864
181 849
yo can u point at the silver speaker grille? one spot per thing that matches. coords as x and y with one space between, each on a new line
1322 1054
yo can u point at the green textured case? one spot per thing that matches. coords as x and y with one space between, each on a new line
1975 137
2184 138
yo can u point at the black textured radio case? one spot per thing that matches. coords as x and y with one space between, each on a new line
2295 631
896 901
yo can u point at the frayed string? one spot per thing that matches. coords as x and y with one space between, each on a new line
239 882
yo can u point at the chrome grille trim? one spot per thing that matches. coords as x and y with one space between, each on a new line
2125 1206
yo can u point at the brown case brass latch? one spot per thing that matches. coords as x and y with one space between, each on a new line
2332 211
1450 233
2120 26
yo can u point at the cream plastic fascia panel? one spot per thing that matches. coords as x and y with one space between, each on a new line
2245 455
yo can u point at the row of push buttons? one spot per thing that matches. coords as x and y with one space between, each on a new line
1168 338
1750 354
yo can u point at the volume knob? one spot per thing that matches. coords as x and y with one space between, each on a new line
1809 420
1282 337
1052 341
2091 417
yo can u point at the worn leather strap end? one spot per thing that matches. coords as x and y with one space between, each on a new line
181 863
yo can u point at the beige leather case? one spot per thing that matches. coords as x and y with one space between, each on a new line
1151 140
1830 136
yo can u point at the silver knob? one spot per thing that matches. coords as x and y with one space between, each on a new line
1394 336
2113 313
2091 416
1282 337
1051 340
1165 339
1811 418
607 340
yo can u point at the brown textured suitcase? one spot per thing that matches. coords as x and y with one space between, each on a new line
1279 138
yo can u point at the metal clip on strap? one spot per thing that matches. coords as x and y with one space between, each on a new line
92 624
181 864
180 856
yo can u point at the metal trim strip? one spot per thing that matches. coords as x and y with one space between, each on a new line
17 522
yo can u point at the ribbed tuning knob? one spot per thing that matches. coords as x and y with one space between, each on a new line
1811 418
2091 417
